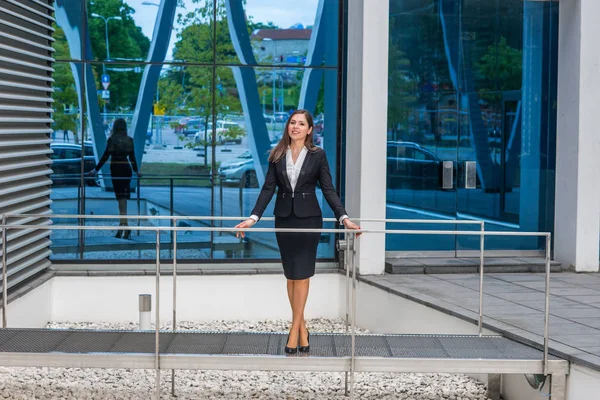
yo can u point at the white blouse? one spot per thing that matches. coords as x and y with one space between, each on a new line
293 170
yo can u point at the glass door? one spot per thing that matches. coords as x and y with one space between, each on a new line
422 174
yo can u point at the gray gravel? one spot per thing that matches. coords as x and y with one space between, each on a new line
105 384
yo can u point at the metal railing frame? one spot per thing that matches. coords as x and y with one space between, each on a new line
349 247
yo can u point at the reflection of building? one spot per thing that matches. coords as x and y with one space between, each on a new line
282 45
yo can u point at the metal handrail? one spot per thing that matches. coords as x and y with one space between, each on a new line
241 218
350 262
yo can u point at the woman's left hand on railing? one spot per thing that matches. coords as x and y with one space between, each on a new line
246 224
351 225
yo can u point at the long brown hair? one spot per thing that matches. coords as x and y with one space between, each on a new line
278 152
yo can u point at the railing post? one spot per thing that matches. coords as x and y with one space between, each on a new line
353 312
139 201
347 264
481 264
174 295
547 306
4 271
157 322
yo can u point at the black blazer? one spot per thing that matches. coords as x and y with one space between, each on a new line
315 168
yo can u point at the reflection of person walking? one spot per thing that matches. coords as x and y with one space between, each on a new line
65 135
295 167
119 148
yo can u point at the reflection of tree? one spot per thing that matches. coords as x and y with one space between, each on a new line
191 89
66 108
502 67
126 41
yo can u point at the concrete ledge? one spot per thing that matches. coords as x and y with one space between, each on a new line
467 265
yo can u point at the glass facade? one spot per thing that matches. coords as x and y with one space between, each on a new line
472 119
205 87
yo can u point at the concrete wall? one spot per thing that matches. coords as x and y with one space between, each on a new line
33 310
199 298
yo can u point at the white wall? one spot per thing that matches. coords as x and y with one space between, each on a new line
32 310
366 124
199 298
383 312
577 215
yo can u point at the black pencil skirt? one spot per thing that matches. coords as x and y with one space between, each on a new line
298 250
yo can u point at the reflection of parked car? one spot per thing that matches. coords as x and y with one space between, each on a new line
281 116
412 166
222 128
66 160
191 125
239 171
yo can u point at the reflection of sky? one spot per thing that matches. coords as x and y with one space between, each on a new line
283 13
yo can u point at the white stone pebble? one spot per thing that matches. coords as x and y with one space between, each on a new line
117 384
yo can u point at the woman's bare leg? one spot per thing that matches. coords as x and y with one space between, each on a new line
299 296
122 210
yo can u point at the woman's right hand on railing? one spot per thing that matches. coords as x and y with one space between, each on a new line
246 224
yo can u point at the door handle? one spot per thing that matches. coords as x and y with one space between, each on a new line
447 174
470 175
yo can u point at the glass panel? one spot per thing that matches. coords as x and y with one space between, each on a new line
486 72
513 126
280 33
422 119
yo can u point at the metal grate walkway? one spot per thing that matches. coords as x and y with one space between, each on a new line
264 351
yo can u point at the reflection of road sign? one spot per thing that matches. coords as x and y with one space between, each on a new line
137 70
159 109
105 81
106 94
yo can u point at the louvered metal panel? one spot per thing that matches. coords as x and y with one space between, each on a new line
26 56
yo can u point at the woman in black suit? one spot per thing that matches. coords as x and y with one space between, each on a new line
295 166
119 148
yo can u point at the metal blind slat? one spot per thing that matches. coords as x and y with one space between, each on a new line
32 10
26 64
27 30
27 42
10 96
25 52
26 19
21 74
11 131
26 120
26 109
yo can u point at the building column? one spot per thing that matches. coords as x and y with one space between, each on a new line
577 215
366 125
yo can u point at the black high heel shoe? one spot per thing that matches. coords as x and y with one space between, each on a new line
127 234
290 350
305 349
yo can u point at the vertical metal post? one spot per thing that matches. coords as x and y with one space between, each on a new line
547 308
347 263
353 313
174 296
157 322
139 201
481 262
172 205
4 271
